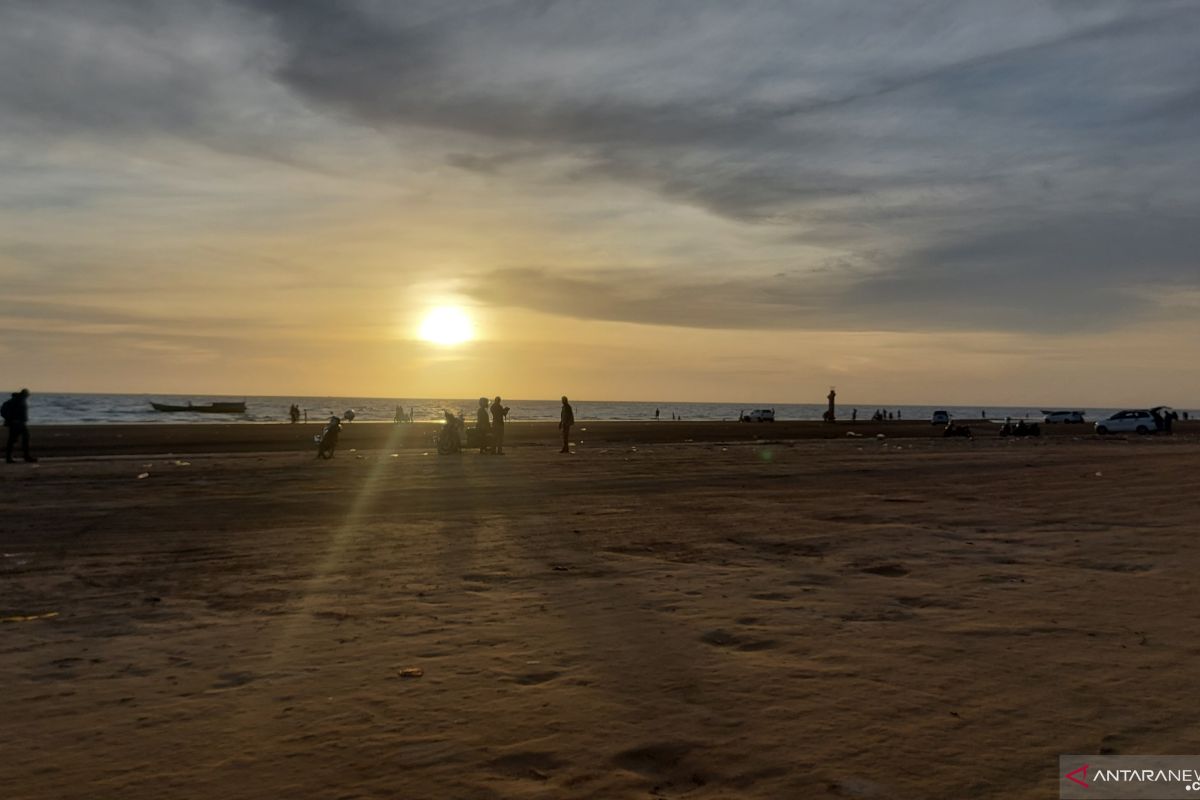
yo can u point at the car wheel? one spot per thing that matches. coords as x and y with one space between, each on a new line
1142 430
1102 430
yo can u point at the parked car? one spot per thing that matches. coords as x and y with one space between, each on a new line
1064 417
1137 420
759 415
940 418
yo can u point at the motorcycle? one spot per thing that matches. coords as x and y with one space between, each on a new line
450 437
327 439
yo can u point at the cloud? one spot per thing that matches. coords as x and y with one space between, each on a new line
1026 165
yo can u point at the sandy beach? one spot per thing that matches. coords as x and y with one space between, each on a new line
161 439
798 617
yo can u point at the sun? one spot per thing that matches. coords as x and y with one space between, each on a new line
447 325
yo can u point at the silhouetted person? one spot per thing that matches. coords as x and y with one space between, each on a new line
398 417
15 412
1168 421
565 420
656 413
483 427
853 414
328 440
499 412
294 413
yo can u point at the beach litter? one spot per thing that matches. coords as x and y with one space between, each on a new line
411 672
30 617
183 463
142 475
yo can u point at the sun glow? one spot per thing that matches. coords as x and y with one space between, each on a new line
447 326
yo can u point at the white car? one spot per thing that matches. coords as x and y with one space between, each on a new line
1065 417
940 418
1133 421
760 415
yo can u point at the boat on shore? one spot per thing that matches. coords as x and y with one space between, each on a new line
210 408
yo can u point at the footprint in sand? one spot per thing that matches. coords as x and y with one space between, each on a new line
534 678
723 638
533 766
653 759
886 570
231 680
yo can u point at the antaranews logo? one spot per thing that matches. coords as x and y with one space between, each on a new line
1128 777
1075 776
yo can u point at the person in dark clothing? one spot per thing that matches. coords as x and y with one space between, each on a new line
565 420
499 412
15 412
483 428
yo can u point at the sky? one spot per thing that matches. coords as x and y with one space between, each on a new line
960 202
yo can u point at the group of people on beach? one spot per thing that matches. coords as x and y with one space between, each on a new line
490 432
489 425
880 415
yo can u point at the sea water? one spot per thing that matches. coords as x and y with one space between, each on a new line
70 409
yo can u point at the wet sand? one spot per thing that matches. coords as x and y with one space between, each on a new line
912 618
98 440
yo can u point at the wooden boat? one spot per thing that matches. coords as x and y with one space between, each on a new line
211 408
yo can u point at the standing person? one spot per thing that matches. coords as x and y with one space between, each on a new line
15 412
853 414
565 420
499 412
483 428
655 414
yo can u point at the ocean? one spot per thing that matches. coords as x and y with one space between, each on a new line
73 409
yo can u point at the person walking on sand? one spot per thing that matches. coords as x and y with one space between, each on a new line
483 428
15 412
565 420
499 412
